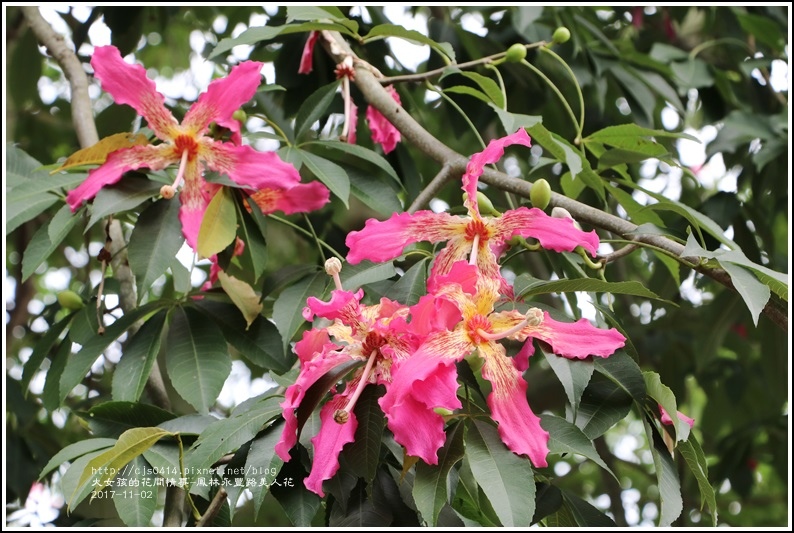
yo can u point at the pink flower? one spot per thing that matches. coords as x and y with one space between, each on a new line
306 57
481 239
186 144
478 329
383 132
681 416
376 335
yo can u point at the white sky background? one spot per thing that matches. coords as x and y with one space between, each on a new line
187 85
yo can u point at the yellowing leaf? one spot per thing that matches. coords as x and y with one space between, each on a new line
243 296
99 152
219 225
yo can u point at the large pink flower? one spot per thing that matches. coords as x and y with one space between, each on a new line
186 144
481 239
383 131
379 337
478 328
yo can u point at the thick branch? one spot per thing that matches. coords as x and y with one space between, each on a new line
63 53
414 133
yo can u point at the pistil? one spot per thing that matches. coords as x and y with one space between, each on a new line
168 191
533 318
343 415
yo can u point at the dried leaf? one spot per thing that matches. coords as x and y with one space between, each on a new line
99 152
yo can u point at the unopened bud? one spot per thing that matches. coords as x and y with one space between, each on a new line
485 205
167 192
561 35
341 416
540 194
516 53
239 115
442 411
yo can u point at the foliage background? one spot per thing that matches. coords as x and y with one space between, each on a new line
707 66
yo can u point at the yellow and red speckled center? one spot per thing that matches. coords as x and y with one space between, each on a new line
473 327
265 199
186 142
372 342
477 227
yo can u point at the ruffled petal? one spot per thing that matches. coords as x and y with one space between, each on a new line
383 240
558 234
301 198
128 84
383 131
420 384
681 416
223 97
492 153
431 314
576 340
306 56
343 305
191 217
328 443
247 167
519 427
116 164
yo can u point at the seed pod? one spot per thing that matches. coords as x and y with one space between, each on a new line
516 53
485 205
540 194
239 115
561 35
70 300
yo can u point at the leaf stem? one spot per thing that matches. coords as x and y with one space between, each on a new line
536 70
311 234
578 87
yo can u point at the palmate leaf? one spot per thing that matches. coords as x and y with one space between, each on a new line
411 286
197 359
355 276
430 485
506 478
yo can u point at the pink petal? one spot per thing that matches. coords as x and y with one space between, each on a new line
431 314
518 426
681 416
301 198
191 218
462 273
383 131
558 234
116 164
314 341
384 240
328 443
306 57
247 167
343 305
492 153
128 84
577 340
420 384
353 124
521 359
223 97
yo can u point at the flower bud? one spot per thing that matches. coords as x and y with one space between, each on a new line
70 300
442 411
561 35
239 115
485 205
540 194
516 53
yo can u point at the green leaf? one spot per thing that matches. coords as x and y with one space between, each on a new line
603 404
358 275
393 30
430 485
512 121
314 107
364 451
75 450
71 478
584 514
574 375
265 33
696 461
763 28
358 152
42 349
634 288
155 240
136 507
565 437
469 91
260 343
262 458
624 371
411 286
29 189
104 467
320 13
228 434
140 353
638 213
332 175
667 478
125 195
219 224
111 419
665 397
46 240
635 138
243 296
319 389
754 293
506 478
197 359
692 74
374 192
80 363
253 260
288 308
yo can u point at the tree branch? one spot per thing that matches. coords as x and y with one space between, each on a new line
414 133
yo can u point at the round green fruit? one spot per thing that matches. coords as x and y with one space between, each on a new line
540 194
516 53
561 35
239 115
70 300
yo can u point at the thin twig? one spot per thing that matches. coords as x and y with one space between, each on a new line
215 507
618 254
435 185
415 134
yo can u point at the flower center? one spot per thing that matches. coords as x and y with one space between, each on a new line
476 231
478 327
